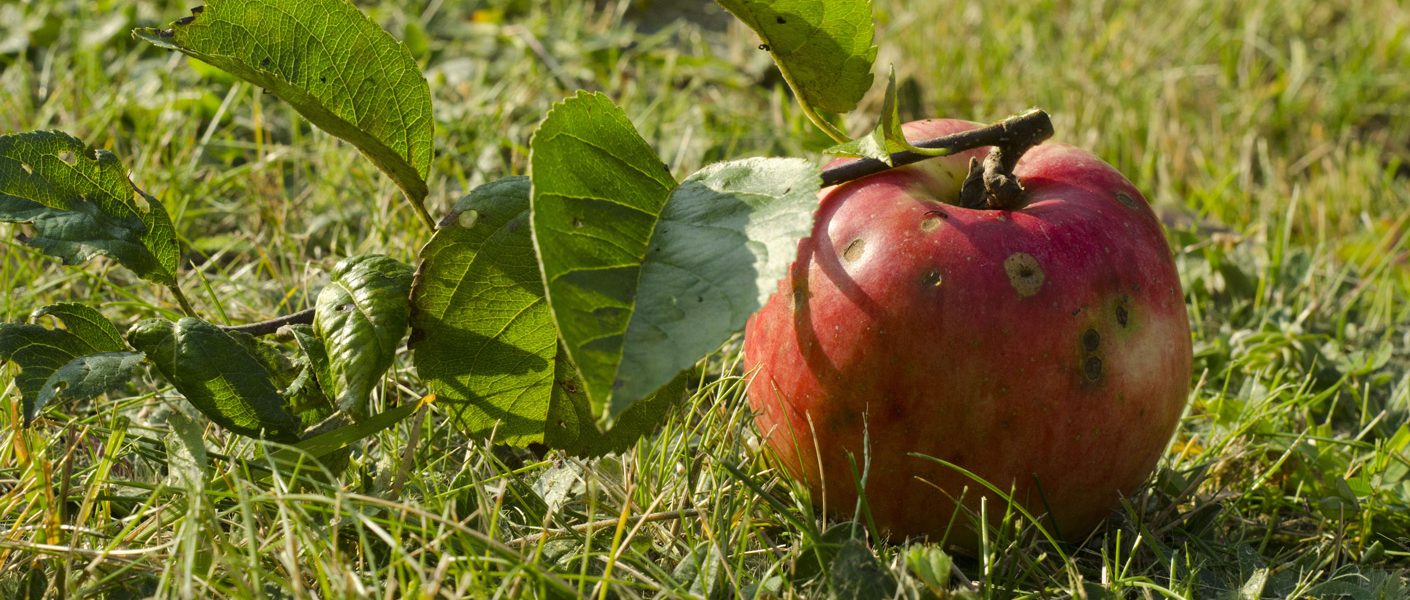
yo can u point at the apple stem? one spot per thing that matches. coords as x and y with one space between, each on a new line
990 185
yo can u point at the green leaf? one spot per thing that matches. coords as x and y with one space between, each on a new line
218 375
85 322
931 566
41 353
887 138
571 426
361 317
483 339
334 65
81 204
856 574
38 352
332 441
823 47
89 376
644 278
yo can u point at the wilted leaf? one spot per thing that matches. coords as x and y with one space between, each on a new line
217 375
81 204
361 317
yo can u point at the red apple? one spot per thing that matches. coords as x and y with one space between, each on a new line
1046 349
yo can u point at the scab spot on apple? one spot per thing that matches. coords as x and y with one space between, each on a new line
1025 275
1091 340
1127 199
854 250
932 279
1092 368
1122 315
932 220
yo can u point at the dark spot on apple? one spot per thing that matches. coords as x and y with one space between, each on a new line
1025 275
1092 368
1127 199
932 278
1091 340
1122 317
930 223
855 250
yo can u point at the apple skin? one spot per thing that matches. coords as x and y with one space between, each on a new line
1045 346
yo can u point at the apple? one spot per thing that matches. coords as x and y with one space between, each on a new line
1046 348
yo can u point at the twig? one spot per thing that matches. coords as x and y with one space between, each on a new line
1025 129
303 317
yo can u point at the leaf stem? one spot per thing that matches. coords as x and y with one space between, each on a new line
420 205
181 299
1015 134
826 126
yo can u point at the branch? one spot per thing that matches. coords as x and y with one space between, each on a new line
303 317
1016 133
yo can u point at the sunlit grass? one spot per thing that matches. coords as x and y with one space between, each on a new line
1274 137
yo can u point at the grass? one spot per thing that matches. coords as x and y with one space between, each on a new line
1274 137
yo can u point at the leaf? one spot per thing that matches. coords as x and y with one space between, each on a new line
329 442
41 352
571 426
823 47
361 317
887 138
217 375
81 204
483 339
644 278
89 376
932 567
856 574
331 63
85 322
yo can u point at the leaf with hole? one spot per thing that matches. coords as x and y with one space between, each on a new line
218 375
361 317
41 353
823 48
331 63
645 277
80 204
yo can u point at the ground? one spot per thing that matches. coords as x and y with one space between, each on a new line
1272 136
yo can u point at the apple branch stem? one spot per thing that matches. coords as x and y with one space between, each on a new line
303 317
1011 137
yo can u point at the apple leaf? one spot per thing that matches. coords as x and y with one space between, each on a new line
482 336
88 376
334 65
823 47
361 317
645 277
887 138
42 353
218 375
81 204
484 340
571 423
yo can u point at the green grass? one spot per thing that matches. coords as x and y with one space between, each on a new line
1273 136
